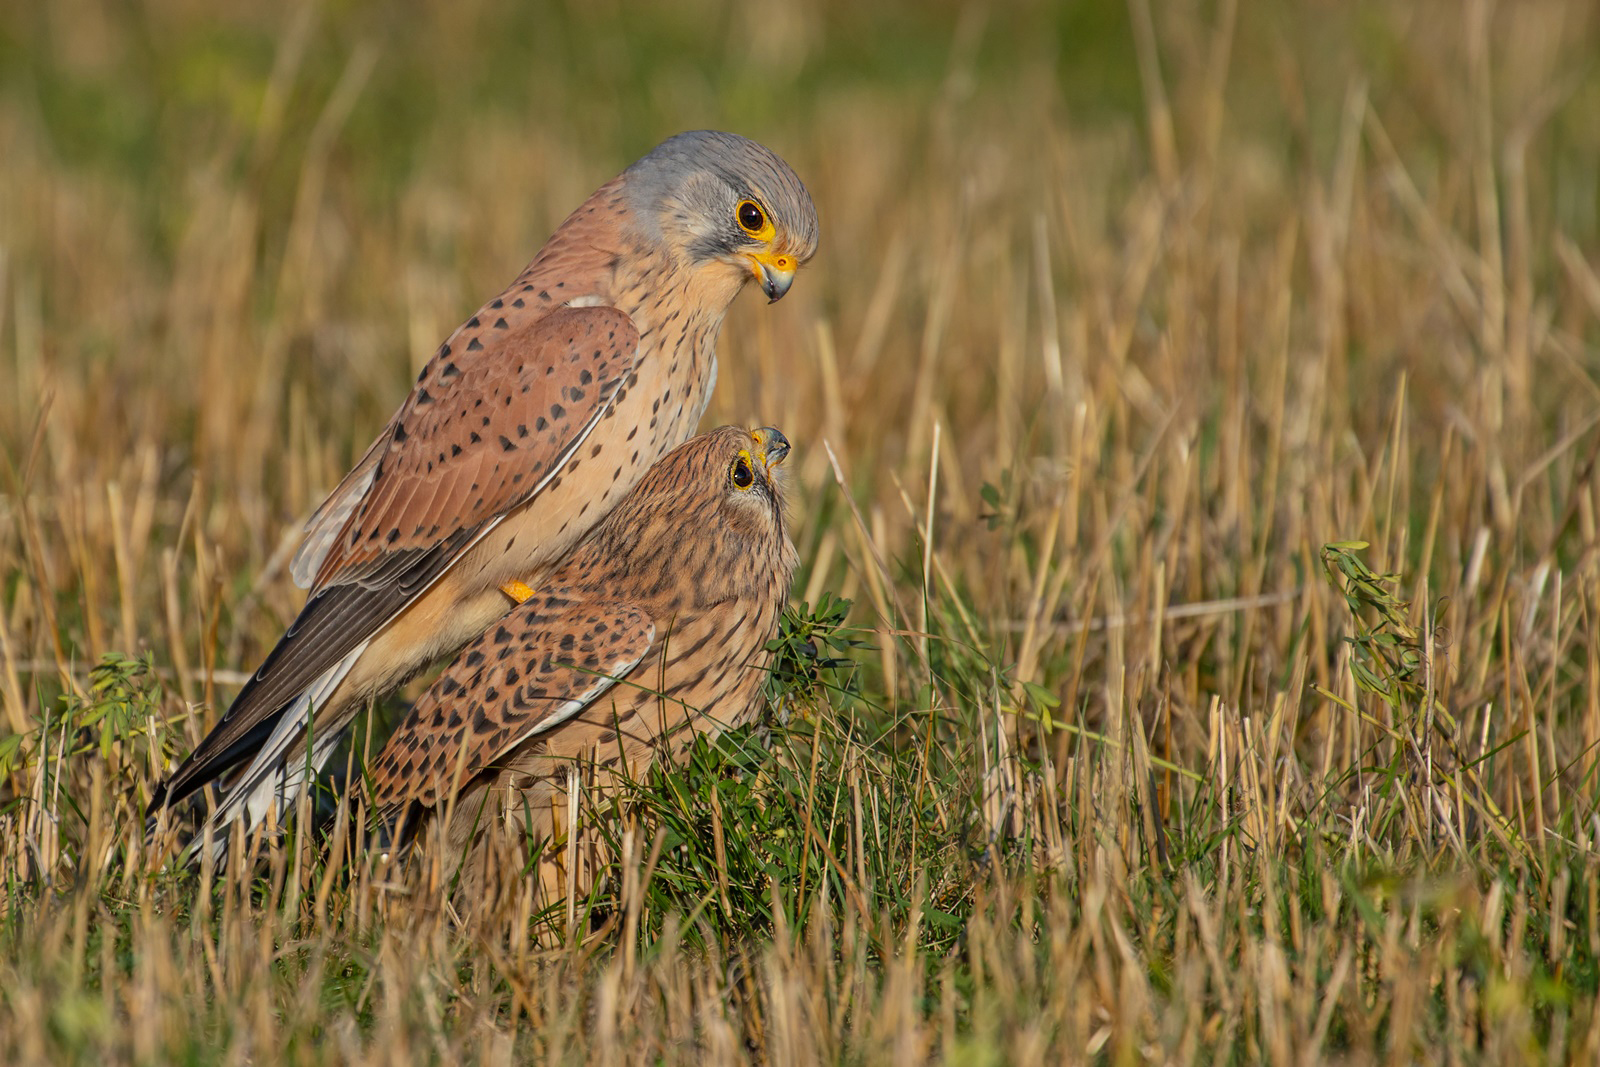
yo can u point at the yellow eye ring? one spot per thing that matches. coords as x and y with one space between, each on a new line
742 474
752 219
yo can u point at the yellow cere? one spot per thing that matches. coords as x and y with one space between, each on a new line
782 263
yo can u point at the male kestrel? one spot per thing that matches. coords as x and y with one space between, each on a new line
653 631
526 427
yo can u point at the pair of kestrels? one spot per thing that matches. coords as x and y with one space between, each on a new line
538 499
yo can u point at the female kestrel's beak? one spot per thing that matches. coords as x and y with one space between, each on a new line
771 446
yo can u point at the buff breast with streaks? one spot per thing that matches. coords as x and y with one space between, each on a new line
654 631
525 428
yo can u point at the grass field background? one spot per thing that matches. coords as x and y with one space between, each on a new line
1199 404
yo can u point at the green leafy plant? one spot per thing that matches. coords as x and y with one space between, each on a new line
813 653
1388 653
122 707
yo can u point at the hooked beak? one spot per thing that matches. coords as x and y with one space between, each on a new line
775 272
771 445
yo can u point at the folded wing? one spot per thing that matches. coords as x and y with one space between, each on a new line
540 666
484 430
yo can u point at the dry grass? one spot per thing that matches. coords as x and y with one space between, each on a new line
1120 318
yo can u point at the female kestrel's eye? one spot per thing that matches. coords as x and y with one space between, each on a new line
751 218
743 477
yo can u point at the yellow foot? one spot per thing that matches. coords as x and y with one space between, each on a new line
517 591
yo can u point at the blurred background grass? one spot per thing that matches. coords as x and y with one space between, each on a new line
1121 313
233 232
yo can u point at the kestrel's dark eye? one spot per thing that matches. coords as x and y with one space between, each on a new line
752 219
743 477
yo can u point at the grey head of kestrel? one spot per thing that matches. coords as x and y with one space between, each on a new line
529 423
653 632
723 199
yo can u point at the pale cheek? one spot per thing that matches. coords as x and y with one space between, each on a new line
748 517
716 284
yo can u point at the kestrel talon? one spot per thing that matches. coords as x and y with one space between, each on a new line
652 632
530 423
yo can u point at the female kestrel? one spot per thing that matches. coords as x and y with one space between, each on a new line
526 427
653 631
